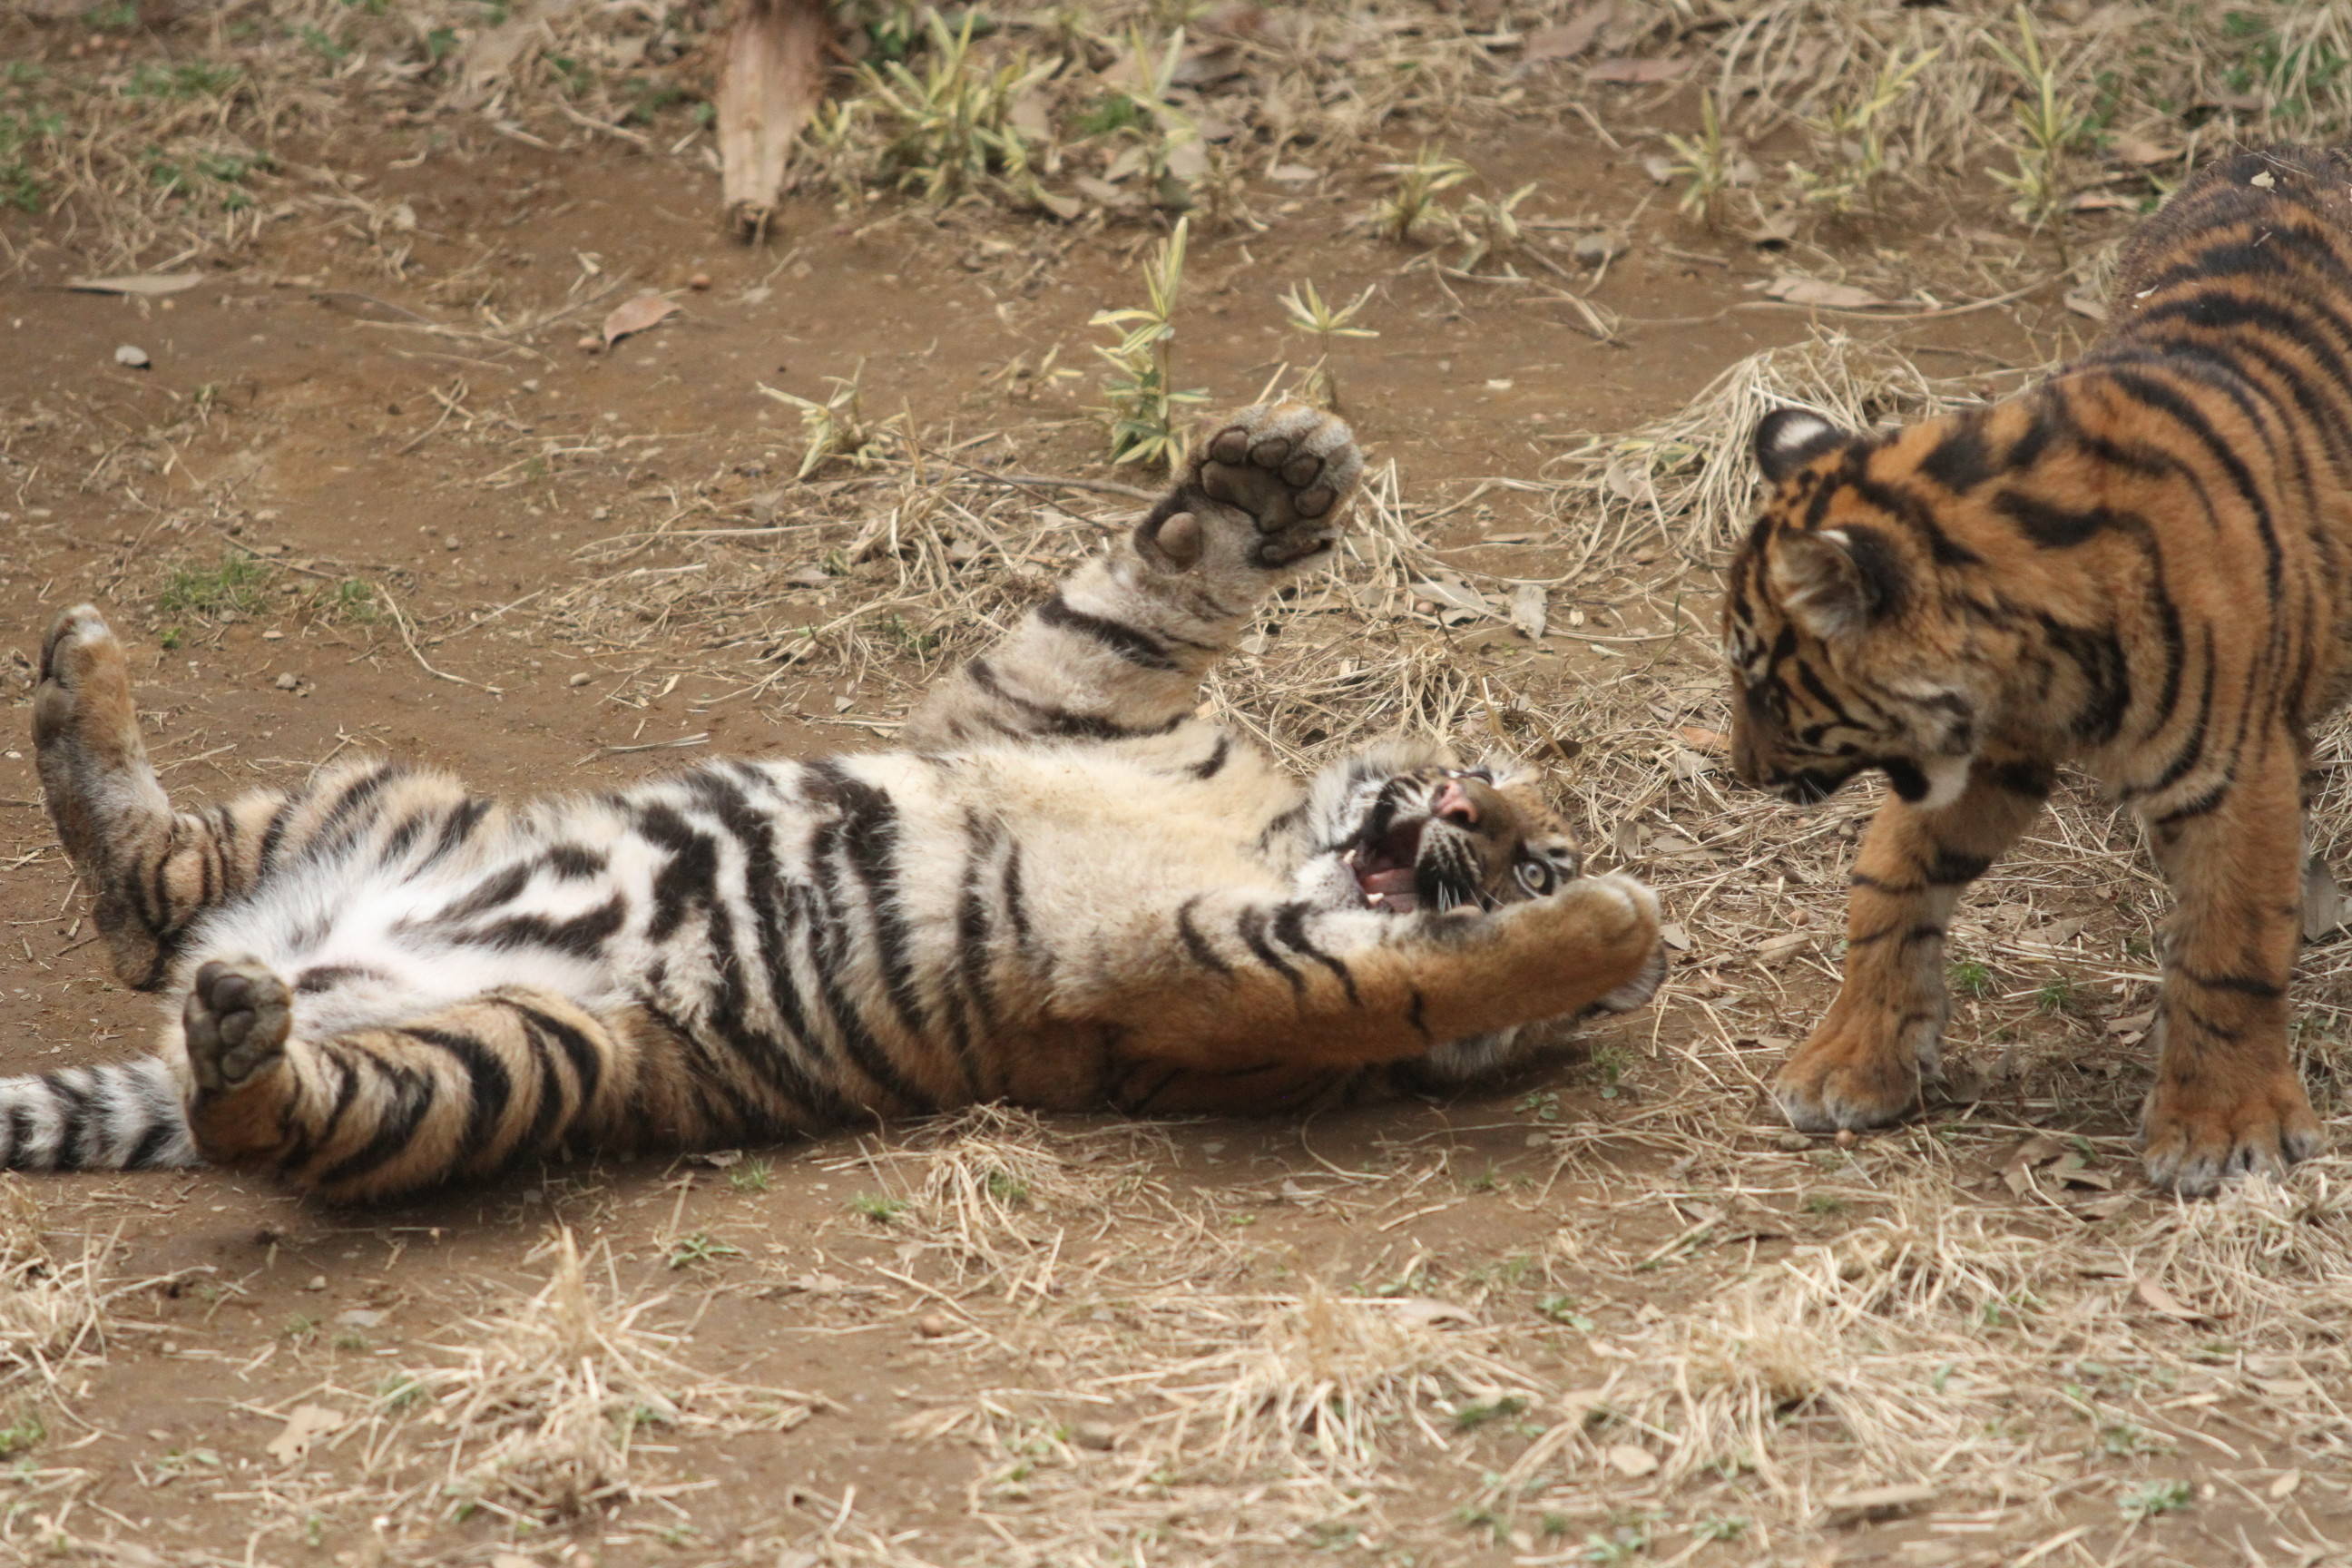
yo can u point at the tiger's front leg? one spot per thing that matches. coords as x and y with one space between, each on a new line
1863 1065
1242 983
2227 1098
149 870
1119 649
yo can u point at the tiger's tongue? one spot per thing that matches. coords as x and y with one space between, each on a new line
1399 880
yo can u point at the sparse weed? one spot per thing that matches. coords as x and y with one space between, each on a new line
1703 163
1141 386
22 1434
1490 226
354 599
838 427
878 1207
2052 124
753 1176
700 1246
1307 312
1854 133
948 127
1412 200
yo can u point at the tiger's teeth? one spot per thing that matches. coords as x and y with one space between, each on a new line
1376 900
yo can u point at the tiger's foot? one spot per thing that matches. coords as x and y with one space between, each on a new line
1267 491
237 1016
1857 1070
2195 1133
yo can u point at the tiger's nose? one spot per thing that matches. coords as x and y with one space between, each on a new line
1455 804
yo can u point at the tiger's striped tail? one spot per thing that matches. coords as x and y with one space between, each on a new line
124 1116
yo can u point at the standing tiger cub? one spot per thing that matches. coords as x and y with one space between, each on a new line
1065 891
2145 563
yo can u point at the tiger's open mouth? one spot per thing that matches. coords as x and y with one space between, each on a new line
1385 864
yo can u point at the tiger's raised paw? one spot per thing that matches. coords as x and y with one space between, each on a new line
2191 1143
1267 491
82 714
237 1017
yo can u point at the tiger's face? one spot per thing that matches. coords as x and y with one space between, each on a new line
1842 656
1440 837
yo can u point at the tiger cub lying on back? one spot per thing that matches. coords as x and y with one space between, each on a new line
1066 891
2145 562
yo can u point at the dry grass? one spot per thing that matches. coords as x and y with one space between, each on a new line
554 1399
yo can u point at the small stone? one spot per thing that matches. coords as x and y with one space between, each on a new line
582 678
1592 249
360 1318
317 1282
935 1325
1101 1436
698 281
1846 1138
452 542
273 635
590 344
288 680
1793 1142
132 355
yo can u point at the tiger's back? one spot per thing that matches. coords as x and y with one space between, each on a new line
2138 565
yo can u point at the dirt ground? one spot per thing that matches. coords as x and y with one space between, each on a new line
367 489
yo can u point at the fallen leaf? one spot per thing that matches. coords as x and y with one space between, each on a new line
1618 68
1530 610
2103 1208
1628 1460
2285 1484
1569 40
1673 936
1427 1311
2264 180
1796 289
1700 739
2141 153
637 314
1454 591
2017 1170
148 283
305 1426
1875 1502
2160 1300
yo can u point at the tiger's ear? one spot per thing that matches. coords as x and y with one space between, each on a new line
1788 438
1835 582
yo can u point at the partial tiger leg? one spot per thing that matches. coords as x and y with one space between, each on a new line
148 871
1862 1066
373 1113
2227 1097
1242 984
1120 650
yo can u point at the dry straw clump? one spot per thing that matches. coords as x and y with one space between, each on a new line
552 1403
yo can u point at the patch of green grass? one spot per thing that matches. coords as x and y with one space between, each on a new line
700 1246
2149 1498
2055 996
353 599
1007 1189
753 1176
183 78
22 1434
1114 112
399 1391
1611 1062
21 134
878 1207
238 585
301 1328
1561 1310
1470 1418
1972 978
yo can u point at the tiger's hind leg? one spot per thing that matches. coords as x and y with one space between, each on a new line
149 870
369 1114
